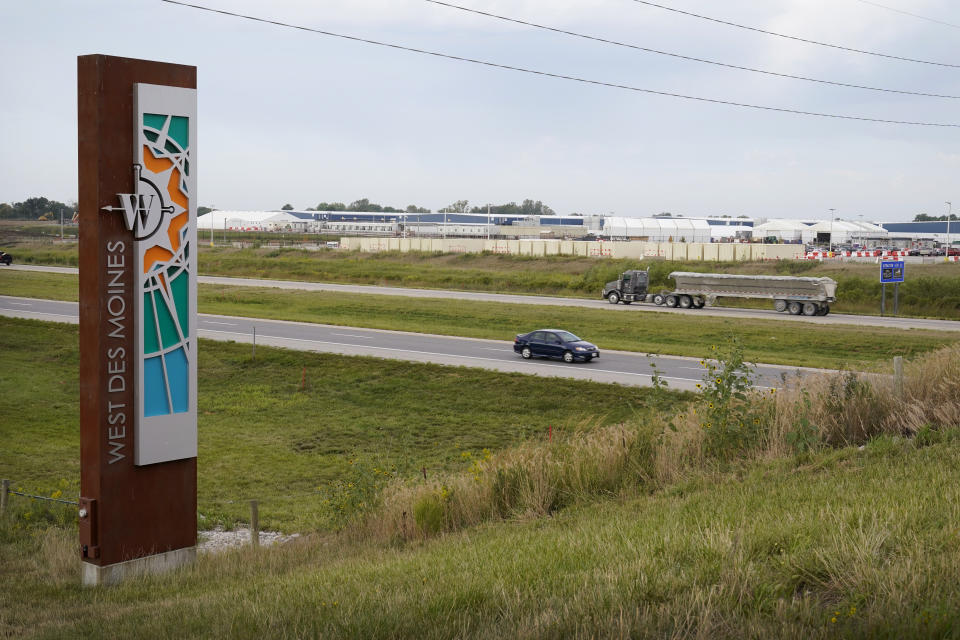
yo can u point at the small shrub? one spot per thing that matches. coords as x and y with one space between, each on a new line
730 422
428 513
804 436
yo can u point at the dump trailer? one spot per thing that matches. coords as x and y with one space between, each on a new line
807 296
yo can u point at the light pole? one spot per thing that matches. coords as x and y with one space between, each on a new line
832 211
860 242
949 213
488 221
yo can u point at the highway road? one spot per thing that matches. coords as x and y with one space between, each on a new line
612 366
725 312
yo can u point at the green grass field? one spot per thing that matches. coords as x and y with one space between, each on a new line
769 341
262 436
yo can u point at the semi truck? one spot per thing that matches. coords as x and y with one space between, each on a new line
791 294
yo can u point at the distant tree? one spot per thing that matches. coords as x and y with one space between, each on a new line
412 208
391 210
460 206
743 216
531 208
331 206
287 207
364 204
663 214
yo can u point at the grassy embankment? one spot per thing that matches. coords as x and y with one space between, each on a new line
702 529
931 290
770 341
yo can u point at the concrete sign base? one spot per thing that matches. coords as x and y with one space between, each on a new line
94 576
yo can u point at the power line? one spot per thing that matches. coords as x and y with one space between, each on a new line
691 58
558 75
780 35
912 15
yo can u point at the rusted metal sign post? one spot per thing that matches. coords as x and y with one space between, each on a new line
138 348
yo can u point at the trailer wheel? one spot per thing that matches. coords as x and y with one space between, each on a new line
670 301
613 298
698 303
685 302
658 299
810 309
825 309
794 307
779 306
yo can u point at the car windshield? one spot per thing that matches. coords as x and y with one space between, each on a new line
566 336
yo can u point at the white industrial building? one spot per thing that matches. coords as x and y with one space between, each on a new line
657 229
785 231
836 232
251 221
846 232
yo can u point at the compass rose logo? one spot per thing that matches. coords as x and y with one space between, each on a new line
145 209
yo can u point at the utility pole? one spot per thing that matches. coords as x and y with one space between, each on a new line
832 211
61 224
488 221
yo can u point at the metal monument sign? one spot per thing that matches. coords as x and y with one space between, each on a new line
138 360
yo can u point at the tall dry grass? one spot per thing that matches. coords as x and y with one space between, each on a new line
850 408
532 479
814 411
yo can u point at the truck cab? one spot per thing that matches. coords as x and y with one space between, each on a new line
631 286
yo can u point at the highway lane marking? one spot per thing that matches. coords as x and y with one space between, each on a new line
350 335
22 304
494 349
448 355
229 324
73 319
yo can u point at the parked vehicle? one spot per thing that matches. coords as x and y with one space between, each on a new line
554 343
5 258
795 295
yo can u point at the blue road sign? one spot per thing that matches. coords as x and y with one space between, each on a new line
891 271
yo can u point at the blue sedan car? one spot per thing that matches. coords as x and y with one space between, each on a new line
554 343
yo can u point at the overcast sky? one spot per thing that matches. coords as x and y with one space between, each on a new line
291 116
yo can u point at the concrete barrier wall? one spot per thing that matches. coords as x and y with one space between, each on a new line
715 251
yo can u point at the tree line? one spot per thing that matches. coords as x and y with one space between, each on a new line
922 217
37 209
361 205
526 208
